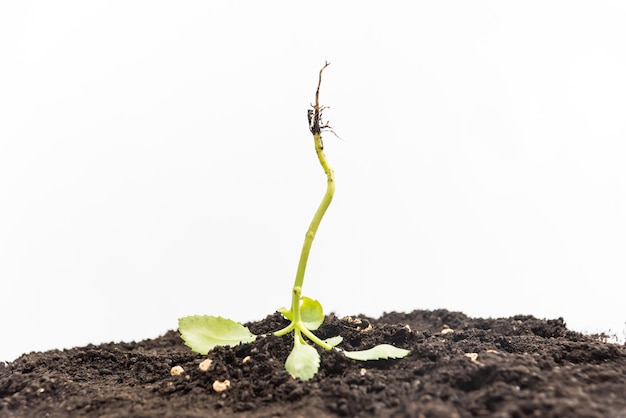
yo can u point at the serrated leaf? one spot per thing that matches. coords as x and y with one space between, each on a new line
311 313
334 341
201 333
303 361
380 352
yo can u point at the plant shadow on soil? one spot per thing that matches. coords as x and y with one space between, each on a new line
458 367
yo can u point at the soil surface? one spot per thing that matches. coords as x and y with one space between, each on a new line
458 367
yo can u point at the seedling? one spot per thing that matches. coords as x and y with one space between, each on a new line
203 333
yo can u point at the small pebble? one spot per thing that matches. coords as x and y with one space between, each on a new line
205 365
474 358
446 330
221 386
177 371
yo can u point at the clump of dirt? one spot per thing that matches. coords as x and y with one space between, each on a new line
458 367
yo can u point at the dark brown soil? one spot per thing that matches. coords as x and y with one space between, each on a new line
458 367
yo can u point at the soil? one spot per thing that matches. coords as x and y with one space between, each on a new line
458 367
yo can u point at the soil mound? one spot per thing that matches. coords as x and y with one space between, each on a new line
458 367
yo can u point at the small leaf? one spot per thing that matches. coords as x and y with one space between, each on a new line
286 313
334 341
201 333
304 360
311 313
382 351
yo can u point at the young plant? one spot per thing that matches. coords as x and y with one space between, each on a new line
203 333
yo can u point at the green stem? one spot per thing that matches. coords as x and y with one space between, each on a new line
310 234
316 339
285 330
315 126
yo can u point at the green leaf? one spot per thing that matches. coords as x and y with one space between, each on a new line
382 351
201 333
304 360
311 313
334 341
286 313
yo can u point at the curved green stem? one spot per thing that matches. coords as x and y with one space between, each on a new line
310 234
285 330
315 339
315 126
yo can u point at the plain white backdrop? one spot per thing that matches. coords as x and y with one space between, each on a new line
155 162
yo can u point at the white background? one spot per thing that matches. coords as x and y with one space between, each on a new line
155 162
